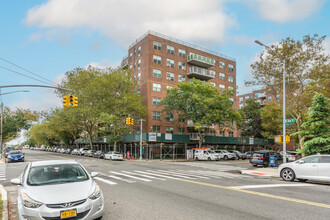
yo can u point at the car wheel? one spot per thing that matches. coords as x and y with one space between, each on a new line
209 159
255 165
225 157
287 174
196 158
302 180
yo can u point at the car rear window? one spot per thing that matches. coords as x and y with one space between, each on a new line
257 155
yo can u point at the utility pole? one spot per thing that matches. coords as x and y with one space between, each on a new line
1 129
141 120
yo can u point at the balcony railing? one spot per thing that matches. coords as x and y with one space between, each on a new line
200 73
190 123
200 60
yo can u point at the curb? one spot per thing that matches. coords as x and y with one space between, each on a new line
4 202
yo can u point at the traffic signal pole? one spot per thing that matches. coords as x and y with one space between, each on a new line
141 120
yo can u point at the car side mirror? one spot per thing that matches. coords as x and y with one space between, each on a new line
16 181
301 161
94 174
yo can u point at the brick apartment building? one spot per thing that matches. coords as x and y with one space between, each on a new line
262 96
160 62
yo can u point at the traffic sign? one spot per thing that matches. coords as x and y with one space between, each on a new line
290 120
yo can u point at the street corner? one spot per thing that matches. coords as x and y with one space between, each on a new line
264 172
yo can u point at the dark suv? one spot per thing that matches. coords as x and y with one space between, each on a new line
261 157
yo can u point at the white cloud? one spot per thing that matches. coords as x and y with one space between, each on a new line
122 21
104 64
282 11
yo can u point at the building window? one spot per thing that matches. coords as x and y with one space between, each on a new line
157 73
222 133
130 67
134 52
212 73
247 97
169 116
278 97
139 77
230 88
182 53
169 130
231 134
231 67
231 100
222 76
213 84
231 79
156 129
134 65
170 76
157 59
182 65
170 49
181 118
256 95
241 106
222 87
139 50
139 89
130 55
181 130
269 98
222 65
156 87
139 63
241 99
157 45
169 62
169 87
213 132
182 78
156 101
155 115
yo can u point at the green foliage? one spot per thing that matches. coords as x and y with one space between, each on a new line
201 103
316 129
251 124
271 116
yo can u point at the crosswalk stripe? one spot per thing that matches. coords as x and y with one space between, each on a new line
118 178
182 176
134 177
105 181
154 174
204 174
189 173
152 177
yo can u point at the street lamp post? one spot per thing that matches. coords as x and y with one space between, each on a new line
1 121
284 116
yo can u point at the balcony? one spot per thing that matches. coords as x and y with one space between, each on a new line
200 73
190 124
199 60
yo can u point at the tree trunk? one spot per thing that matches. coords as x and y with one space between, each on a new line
90 141
115 146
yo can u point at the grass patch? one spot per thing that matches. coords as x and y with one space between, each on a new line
1 206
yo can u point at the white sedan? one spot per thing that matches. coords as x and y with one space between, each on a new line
58 189
316 167
112 155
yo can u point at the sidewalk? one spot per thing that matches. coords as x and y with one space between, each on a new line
267 172
4 197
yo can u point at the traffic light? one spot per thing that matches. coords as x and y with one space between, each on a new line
71 100
131 121
128 121
287 139
75 101
65 101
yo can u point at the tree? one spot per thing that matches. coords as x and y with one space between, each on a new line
306 67
316 129
251 124
201 103
271 116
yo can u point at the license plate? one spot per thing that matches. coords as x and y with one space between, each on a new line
68 213
16 158
254 158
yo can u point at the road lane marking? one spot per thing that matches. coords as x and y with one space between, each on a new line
154 174
133 177
269 186
105 181
118 178
261 194
148 176
177 175
184 174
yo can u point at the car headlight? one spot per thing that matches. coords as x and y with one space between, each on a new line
28 202
97 192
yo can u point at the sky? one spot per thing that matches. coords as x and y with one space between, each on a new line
50 37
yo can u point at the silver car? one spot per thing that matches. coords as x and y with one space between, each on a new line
58 189
316 167
112 155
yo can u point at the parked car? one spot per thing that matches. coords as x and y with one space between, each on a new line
63 150
99 154
316 167
224 154
15 156
248 154
112 155
58 189
238 154
261 157
68 151
206 154
74 151
89 153
82 151
7 150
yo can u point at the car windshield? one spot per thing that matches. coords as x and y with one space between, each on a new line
257 155
56 174
116 152
225 151
15 152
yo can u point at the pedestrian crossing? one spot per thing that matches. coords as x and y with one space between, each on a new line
117 177
2 172
211 166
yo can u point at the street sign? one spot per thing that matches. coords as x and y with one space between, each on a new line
287 125
290 120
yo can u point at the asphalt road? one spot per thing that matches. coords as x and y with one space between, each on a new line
192 190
